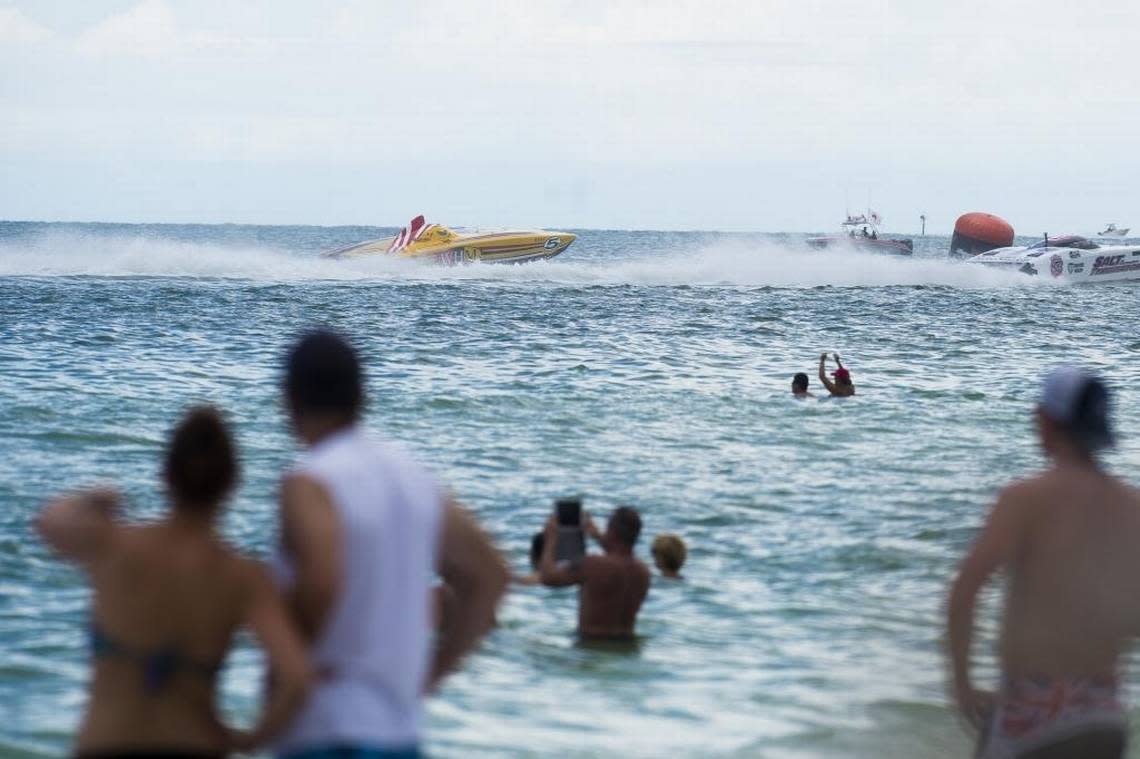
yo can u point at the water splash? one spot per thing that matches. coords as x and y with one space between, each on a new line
725 262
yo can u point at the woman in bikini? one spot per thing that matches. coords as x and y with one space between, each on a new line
168 599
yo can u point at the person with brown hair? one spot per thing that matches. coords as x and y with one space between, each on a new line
169 598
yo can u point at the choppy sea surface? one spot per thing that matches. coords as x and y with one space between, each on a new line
642 368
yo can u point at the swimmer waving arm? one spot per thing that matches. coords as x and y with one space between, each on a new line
992 550
823 373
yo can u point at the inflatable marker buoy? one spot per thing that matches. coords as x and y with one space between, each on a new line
978 232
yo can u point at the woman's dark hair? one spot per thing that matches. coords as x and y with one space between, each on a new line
201 463
322 374
800 381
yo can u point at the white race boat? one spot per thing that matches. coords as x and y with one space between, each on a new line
1113 231
1069 258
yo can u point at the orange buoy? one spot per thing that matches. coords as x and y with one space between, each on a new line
978 232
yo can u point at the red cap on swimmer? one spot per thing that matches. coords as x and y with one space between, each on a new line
841 374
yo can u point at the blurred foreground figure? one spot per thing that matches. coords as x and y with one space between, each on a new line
364 529
169 597
1067 539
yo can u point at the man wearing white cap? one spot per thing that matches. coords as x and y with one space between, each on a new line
1069 542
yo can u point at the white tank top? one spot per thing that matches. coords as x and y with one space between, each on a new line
377 639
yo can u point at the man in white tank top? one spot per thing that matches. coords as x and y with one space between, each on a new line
364 530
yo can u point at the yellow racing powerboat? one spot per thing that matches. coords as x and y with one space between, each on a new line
436 243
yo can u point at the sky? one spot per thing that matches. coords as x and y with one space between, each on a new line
765 115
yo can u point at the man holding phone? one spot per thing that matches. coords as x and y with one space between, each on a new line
613 584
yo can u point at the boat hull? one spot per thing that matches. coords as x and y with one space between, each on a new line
497 247
1115 263
892 246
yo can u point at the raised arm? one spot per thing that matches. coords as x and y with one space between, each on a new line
311 531
290 674
471 566
79 527
823 373
992 549
838 362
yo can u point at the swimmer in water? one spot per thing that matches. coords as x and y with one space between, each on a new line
1065 539
800 386
841 386
613 584
669 554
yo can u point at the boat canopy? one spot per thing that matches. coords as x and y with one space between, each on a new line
1065 241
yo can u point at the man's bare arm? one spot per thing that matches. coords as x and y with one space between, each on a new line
993 549
823 373
312 534
471 566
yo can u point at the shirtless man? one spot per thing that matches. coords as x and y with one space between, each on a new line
1066 539
613 584
841 387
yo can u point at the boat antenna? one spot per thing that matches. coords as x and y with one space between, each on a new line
923 217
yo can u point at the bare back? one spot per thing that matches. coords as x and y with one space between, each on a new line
167 591
1073 600
613 589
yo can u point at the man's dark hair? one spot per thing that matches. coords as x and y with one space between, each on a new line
800 381
625 523
1090 427
201 465
322 374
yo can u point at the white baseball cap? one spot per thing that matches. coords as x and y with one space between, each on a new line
1079 402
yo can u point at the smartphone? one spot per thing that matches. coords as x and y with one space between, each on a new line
571 536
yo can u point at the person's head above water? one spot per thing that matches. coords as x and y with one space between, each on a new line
1073 413
201 466
623 528
669 554
323 381
800 383
842 376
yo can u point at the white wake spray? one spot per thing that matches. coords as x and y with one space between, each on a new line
726 262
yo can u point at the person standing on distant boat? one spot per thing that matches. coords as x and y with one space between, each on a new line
841 386
612 586
1066 539
169 598
364 530
800 386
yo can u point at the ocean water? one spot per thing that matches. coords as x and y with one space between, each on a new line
642 368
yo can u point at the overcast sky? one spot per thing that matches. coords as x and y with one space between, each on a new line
757 115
